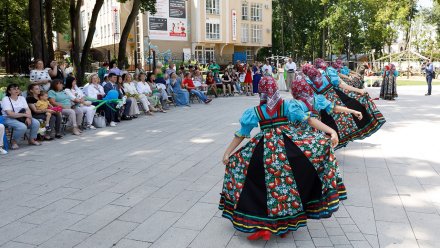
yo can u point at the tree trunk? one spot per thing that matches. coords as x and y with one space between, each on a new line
126 31
49 29
89 39
35 28
74 12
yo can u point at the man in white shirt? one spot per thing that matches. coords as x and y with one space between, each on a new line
267 68
290 68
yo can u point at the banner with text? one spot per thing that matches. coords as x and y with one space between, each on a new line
170 21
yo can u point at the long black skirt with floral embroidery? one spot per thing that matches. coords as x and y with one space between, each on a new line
279 179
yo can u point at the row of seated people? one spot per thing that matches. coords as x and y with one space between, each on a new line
78 106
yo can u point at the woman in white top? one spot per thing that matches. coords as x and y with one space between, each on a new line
94 89
17 116
40 75
134 109
144 89
130 88
78 99
281 82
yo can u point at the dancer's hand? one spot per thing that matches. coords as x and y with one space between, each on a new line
358 115
225 159
334 138
362 92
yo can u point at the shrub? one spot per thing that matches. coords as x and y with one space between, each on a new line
22 82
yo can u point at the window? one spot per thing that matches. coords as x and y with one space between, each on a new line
204 54
257 33
249 55
244 32
108 28
102 32
198 52
209 54
212 31
256 12
244 11
213 7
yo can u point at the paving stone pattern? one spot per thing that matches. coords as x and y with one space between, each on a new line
155 182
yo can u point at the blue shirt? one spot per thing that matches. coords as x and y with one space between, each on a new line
294 111
429 68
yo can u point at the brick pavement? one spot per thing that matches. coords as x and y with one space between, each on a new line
155 182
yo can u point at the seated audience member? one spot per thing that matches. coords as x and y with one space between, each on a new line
158 92
134 109
18 116
143 87
236 82
211 83
59 98
227 84
54 124
181 95
114 68
112 85
40 75
96 91
130 88
188 84
197 79
78 98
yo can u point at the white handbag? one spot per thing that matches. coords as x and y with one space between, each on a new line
99 121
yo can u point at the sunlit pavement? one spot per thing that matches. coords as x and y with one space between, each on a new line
155 182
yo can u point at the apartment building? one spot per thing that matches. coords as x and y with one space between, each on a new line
211 29
186 29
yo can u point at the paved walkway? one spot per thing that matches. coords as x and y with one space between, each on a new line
155 182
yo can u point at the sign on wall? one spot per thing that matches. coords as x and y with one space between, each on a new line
170 21
234 25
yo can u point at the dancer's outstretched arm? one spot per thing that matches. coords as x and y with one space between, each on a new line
339 109
326 129
345 86
235 142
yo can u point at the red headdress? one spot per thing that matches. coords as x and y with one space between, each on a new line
302 91
338 64
269 94
320 64
314 75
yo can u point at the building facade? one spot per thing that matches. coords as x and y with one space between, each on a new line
212 29
203 30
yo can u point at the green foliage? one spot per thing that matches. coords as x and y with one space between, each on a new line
61 16
14 31
145 5
309 29
23 82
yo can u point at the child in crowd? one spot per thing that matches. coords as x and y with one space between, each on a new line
43 104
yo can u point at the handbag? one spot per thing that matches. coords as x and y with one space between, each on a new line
99 121
21 111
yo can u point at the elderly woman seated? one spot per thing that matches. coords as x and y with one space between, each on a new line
130 89
78 99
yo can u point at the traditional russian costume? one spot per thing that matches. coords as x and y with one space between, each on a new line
283 175
326 82
388 89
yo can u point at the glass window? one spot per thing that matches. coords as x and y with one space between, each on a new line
244 32
198 52
212 31
209 54
249 55
256 12
244 11
213 7
257 33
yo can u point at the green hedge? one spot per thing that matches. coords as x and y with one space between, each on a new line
22 82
